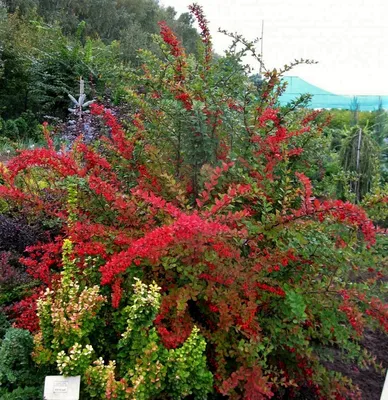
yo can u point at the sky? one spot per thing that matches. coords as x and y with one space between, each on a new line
348 38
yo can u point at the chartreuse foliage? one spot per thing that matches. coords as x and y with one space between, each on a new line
192 252
68 319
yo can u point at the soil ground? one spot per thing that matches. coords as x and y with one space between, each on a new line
369 381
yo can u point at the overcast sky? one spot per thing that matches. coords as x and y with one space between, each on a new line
349 38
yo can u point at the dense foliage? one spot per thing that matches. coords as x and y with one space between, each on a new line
45 48
186 255
353 159
18 378
132 22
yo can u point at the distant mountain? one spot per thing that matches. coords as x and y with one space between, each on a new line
324 99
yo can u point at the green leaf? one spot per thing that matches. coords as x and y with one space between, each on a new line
297 305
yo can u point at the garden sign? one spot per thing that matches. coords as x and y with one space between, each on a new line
61 388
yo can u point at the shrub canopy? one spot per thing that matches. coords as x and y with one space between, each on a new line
193 257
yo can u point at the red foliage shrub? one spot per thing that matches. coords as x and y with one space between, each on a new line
235 238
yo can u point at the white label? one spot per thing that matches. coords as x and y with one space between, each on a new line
62 388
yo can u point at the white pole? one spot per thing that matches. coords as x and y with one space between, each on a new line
358 149
384 395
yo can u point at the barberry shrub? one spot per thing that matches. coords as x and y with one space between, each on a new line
205 194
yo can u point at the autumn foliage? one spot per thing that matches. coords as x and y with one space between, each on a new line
206 192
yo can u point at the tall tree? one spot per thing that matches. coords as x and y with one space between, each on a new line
359 156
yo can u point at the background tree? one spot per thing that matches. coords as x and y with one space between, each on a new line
359 156
355 110
381 136
44 51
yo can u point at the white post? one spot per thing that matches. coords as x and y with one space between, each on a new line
358 149
384 395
